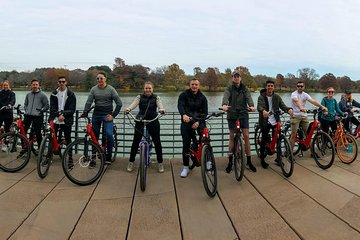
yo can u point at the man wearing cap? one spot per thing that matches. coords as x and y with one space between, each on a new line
346 104
237 101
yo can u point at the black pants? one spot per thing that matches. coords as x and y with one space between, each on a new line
37 122
7 120
265 138
325 125
187 133
352 120
154 130
66 131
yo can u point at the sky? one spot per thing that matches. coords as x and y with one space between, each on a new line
266 36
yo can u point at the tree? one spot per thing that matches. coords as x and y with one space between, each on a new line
308 76
210 79
279 80
328 80
119 62
344 83
175 76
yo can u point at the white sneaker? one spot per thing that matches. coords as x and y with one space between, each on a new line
4 148
161 167
130 167
209 165
185 172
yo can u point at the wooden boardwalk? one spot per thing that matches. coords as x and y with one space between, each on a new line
311 204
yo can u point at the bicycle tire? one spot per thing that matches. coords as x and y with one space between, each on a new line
239 158
80 153
257 139
10 159
208 170
285 156
143 167
320 147
45 156
344 153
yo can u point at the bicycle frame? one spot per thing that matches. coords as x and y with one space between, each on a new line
145 141
20 126
272 145
54 138
307 141
197 152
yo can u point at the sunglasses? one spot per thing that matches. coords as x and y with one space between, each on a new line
61 81
100 78
300 86
331 91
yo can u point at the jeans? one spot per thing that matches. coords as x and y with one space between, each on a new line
97 120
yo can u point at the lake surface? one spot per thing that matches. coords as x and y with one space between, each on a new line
169 99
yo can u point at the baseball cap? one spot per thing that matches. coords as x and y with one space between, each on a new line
235 72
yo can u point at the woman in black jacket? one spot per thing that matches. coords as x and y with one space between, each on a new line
7 100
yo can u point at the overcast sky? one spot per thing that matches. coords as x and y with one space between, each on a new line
267 36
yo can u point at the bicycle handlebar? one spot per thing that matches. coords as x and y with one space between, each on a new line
159 115
6 107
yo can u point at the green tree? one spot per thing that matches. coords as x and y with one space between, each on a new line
175 76
210 79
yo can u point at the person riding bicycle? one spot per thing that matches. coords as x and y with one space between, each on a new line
192 104
62 109
148 104
299 118
347 104
327 118
237 97
36 103
269 102
104 95
7 99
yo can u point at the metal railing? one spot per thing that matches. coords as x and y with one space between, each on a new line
170 133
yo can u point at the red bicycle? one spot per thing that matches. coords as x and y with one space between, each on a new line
84 159
51 144
279 144
15 146
202 155
320 143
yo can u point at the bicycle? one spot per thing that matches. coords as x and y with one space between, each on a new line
10 159
346 145
279 144
83 160
144 146
49 146
316 140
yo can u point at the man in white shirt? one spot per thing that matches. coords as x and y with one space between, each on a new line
298 102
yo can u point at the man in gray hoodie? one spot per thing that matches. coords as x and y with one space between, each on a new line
36 103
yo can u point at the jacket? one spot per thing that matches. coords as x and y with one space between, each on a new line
346 106
193 105
238 98
263 105
69 107
332 107
7 98
36 103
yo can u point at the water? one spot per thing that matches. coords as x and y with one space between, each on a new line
169 99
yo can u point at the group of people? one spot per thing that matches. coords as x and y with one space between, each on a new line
192 104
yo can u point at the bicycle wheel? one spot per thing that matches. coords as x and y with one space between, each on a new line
323 150
15 152
285 156
116 144
257 139
143 157
83 162
347 148
208 170
239 158
45 156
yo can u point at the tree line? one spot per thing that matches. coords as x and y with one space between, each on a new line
172 78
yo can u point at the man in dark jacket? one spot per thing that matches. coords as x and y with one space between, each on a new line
268 106
237 101
62 109
192 104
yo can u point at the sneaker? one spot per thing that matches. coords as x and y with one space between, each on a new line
209 165
108 160
185 172
130 167
4 148
229 167
264 164
161 168
92 164
250 166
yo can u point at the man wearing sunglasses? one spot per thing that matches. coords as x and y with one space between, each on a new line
62 109
298 102
104 95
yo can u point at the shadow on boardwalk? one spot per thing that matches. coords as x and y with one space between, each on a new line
311 204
